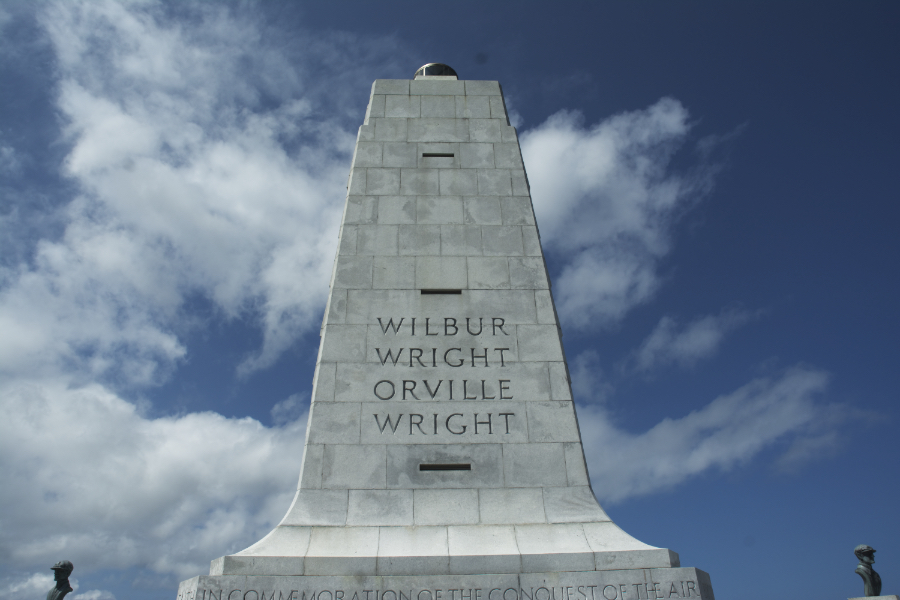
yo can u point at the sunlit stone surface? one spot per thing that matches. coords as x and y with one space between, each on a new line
443 458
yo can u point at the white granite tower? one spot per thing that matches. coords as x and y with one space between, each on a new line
443 454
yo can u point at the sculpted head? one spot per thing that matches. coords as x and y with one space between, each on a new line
865 553
62 570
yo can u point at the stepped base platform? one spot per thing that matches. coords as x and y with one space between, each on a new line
618 584
444 550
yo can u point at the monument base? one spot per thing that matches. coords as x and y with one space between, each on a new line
624 584
891 597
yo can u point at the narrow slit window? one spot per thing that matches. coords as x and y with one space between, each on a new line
426 292
446 467
437 155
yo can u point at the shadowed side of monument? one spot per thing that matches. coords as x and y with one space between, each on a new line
443 441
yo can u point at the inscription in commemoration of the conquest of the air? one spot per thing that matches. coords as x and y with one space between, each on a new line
471 357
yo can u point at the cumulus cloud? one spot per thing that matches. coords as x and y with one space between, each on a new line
671 343
606 201
85 474
727 432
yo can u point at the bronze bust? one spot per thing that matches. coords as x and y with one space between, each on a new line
61 572
871 579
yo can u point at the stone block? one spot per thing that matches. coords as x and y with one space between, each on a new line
402 107
534 465
520 185
268 565
531 241
366 132
443 210
559 381
501 240
607 536
493 182
508 134
438 130
476 156
356 184
441 272
284 541
343 343
391 130
392 508
361 210
347 241
483 548
473 107
382 182
554 548
396 210
419 182
572 504
375 108
359 466
538 342
488 273
461 182
399 154
394 273
517 210
482 210
420 240
483 130
318 507
482 88
413 551
311 471
368 154
511 505
323 382
443 107
390 86
546 314
397 422
552 422
445 506
460 240
498 109
336 309
485 459
437 87
576 469
376 240
508 156
344 550
528 273
330 422
365 306
438 162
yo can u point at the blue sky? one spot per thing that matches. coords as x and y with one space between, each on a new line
717 195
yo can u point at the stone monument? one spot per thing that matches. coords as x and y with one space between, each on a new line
443 459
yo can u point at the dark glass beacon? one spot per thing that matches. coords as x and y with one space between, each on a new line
436 69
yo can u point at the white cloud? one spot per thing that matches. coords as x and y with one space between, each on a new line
86 475
606 202
670 344
26 587
728 431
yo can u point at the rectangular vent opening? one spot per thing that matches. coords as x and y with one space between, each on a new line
424 292
445 467
437 155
